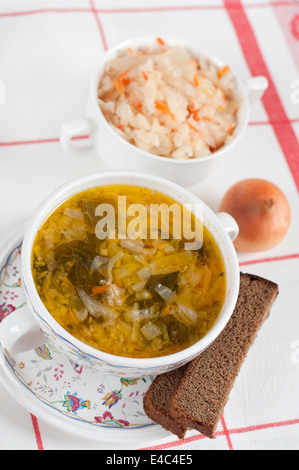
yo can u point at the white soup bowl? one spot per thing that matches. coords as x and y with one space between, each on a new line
33 325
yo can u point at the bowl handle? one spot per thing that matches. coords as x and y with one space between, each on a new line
20 332
229 224
255 87
79 128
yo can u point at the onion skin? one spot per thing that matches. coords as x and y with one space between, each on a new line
262 212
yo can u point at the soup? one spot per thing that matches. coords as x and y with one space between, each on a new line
147 295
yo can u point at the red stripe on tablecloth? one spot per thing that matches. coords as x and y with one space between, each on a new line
56 139
26 142
272 123
146 9
45 10
38 141
38 437
226 433
193 7
269 260
197 437
271 99
92 6
260 427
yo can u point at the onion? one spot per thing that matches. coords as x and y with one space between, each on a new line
111 265
137 314
144 273
79 309
187 313
262 212
150 331
136 246
138 286
97 263
95 308
74 213
81 315
167 294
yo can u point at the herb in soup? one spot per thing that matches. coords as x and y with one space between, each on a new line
134 297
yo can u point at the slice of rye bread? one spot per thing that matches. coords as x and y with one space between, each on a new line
157 398
194 396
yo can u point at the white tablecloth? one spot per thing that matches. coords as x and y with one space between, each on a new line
48 51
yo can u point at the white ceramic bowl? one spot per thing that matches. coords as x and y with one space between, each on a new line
117 153
26 329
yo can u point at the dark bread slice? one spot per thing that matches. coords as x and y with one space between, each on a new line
195 396
157 398
201 396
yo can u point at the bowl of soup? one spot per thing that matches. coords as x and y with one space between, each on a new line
129 273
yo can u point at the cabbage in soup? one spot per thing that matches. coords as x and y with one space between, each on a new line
136 297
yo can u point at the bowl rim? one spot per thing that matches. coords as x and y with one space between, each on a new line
80 184
145 40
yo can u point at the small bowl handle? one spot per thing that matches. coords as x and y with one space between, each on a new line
229 224
71 130
20 332
256 87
